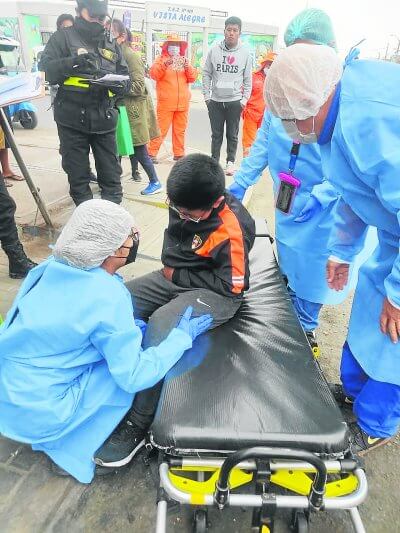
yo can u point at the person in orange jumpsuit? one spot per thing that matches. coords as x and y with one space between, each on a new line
172 73
254 111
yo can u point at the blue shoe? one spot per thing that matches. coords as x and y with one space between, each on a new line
152 188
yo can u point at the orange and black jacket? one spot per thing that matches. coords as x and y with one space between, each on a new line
214 253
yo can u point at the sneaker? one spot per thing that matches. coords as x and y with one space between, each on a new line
136 176
340 396
230 168
312 341
154 159
152 188
121 446
361 443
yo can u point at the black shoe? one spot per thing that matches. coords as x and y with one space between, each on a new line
312 341
340 396
92 177
19 263
361 443
136 176
121 446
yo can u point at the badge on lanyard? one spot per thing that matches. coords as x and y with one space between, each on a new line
289 183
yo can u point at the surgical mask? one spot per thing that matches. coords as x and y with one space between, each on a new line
296 135
133 250
174 50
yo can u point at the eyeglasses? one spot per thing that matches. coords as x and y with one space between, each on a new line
182 215
135 236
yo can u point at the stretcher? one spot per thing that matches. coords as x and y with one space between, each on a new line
246 418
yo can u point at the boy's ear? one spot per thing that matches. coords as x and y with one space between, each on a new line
217 202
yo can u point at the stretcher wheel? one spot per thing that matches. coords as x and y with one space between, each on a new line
300 522
200 522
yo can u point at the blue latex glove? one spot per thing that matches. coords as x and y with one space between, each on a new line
142 325
194 326
309 210
237 190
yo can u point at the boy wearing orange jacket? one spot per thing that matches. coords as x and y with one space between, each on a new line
172 73
254 111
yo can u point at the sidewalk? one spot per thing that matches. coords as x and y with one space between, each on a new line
32 498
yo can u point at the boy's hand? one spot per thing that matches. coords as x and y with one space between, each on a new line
168 272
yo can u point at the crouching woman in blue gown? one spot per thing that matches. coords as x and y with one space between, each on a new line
71 359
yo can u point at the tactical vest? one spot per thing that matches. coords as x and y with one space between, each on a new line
106 59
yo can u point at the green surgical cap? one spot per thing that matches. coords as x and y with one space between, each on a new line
311 25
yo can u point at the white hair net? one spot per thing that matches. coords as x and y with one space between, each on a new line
96 229
301 79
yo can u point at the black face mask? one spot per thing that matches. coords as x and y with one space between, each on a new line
131 257
91 31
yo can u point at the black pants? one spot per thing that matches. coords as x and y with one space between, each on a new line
75 146
141 156
8 228
163 302
221 113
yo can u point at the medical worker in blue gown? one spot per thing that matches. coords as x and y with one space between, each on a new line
355 114
70 351
302 235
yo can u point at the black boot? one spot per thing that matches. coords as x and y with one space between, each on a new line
19 263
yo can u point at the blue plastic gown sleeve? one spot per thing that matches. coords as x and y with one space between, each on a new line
252 166
325 193
390 191
119 341
348 235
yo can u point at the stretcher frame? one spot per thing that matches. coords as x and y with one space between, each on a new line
302 473
312 482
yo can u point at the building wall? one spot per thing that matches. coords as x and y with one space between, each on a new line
199 39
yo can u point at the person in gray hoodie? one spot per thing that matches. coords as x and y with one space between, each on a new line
227 76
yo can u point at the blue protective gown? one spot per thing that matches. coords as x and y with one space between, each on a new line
363 163
71 361
302 247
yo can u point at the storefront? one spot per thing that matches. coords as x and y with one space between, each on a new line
32 22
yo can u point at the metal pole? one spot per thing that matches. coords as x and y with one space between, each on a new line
14 148
161 525
356 520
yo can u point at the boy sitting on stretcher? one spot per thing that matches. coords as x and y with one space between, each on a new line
205 266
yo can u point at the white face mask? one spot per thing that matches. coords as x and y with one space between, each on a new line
174 50
295 134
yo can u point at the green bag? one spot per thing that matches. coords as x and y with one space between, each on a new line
123 133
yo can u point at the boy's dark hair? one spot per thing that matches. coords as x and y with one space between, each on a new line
195 182
62 18
232 21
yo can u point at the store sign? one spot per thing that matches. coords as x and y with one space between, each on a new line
177 14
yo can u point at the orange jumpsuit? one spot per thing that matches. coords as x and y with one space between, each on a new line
253 112
173 98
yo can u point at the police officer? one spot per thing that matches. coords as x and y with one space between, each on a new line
86 112
19 264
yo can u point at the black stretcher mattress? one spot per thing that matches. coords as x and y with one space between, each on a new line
252 381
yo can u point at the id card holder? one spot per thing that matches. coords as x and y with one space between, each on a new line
287 191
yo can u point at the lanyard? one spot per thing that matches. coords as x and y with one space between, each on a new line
294 153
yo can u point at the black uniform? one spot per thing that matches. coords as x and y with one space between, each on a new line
8 228
86 115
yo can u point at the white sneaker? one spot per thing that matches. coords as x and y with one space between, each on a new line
230 168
